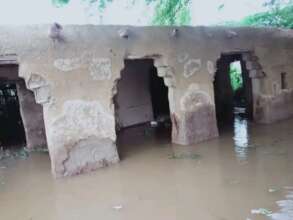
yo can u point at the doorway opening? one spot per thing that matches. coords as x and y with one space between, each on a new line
21 118
11 126
233 90
141 106
283 80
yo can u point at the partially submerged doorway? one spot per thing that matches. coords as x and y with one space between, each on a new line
21 118
11 127
141 105
233 90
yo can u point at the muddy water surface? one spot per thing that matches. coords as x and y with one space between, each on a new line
246 174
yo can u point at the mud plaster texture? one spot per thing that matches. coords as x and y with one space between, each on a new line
32 117
75 78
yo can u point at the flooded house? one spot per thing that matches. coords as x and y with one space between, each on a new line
80 89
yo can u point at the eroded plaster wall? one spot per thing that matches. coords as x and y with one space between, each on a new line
32 117
75 78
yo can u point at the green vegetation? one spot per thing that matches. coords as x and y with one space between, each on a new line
60 3
167 12
172 12
235 74
275 17
277 13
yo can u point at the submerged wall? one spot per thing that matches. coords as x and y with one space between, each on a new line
74 76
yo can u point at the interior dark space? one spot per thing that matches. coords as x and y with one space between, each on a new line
233 93
11 127
141 106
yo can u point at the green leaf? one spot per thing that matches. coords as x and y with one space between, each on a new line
221 7
60 3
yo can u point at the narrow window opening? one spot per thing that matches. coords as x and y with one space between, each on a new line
283 80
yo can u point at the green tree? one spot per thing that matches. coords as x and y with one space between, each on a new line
60 3
167 12
279 13
172 12
235 75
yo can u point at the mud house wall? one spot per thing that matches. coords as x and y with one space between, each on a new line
32 117
8 72
75 79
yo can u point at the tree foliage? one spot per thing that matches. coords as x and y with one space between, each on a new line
167 12
60 3
279 13
235 77
172 12
274 18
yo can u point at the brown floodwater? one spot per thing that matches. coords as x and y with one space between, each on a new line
246 174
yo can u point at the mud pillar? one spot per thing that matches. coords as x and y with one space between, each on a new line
223 91
197 120
81 139
32 117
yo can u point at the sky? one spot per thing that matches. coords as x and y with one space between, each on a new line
204 12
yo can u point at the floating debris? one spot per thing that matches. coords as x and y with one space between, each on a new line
262 211
21 153
286 208
38 150
185 156
118 207
154 124
272 190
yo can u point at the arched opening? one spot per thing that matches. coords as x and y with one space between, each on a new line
21 118
141 107
233 91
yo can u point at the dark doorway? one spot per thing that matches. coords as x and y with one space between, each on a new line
11 127
21 118
159 96
233 90
141 105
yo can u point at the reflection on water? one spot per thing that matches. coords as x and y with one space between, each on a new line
240 132
286 208
241 138
151 183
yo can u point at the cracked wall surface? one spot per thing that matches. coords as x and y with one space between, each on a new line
82 132
272 108
74 78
